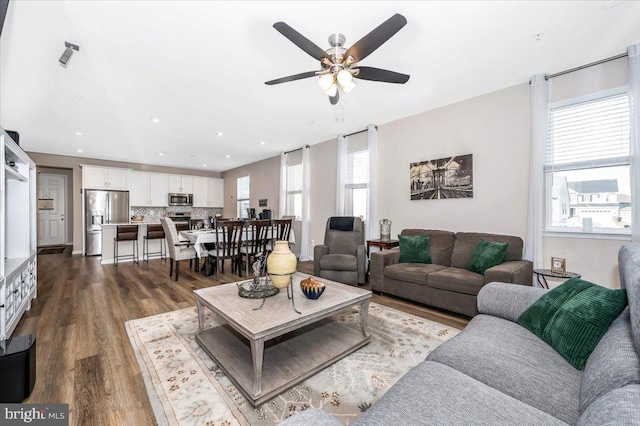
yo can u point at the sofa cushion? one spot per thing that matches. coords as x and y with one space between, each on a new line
618 407
466 242
487 254
339 262
434 394
411 272
414 249
441 243
458 280
511 359
573 317
613 364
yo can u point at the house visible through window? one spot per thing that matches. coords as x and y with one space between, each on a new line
294 191
242 187
587 161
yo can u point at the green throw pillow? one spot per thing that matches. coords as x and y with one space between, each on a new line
573 317
487 255
415 249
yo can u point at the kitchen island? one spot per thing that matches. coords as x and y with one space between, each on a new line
125 247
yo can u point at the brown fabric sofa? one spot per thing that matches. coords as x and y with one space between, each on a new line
446 283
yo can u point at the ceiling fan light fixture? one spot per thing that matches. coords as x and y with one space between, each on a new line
332 90
347 88
326 81
344 78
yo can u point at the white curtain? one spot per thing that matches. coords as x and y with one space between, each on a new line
306 183
373 230
539 125
341 177
634 136
282 205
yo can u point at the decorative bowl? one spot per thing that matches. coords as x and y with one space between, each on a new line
312 288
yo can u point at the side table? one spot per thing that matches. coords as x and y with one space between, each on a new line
542 273
383 244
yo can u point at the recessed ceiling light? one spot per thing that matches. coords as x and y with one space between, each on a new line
204 165
219 133
228 156
262 142
155 120
538 37
79 150
161 154
78 133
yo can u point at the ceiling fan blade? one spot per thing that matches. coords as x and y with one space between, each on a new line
291 78
334 99
301 41
377 74
376 38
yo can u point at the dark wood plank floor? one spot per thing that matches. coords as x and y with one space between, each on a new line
84 357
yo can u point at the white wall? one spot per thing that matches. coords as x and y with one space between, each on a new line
495 129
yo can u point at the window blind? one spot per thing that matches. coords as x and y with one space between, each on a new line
588 131
242 186
294 178
358 167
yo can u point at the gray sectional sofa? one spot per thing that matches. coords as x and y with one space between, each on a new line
446 283
496 372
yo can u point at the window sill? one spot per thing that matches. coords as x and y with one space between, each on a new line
596 235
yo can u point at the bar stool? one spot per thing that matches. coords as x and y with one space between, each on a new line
154 232
126 233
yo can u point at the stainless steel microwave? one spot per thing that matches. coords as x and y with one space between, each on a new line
181 199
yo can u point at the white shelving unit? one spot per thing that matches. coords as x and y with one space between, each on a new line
18 269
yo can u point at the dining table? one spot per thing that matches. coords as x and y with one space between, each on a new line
199 237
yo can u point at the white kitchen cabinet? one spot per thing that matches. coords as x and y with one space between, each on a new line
158 189
215 191
148 189
200 191
179 184
104 178
18 282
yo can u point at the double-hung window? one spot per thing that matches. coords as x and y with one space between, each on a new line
243 193
294 190
357 183
587 165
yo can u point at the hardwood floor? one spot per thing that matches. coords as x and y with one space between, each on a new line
84 358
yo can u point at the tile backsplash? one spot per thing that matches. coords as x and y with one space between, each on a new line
153 214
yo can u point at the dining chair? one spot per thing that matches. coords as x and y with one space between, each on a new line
227 246
256 239
281 231
177 250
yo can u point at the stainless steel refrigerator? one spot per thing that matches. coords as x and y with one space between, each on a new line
102 207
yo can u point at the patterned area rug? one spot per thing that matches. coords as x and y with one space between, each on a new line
187 388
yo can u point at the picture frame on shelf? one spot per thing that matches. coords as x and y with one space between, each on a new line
558 265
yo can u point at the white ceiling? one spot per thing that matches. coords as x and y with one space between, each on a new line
200 67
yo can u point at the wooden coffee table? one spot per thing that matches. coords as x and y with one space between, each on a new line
266 351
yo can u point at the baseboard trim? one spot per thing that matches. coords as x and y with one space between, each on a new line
76 252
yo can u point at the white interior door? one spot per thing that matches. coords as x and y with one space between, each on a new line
51 209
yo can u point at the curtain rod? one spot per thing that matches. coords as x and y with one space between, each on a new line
581 67
297 149
359 131
602 61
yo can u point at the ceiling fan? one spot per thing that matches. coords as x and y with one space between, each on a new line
340 65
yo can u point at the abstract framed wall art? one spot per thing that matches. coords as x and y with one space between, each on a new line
450 177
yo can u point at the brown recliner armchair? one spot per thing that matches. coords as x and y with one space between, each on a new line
342 257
